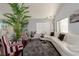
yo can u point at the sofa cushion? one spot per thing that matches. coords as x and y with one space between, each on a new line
56 34
51 33
72 39
61 36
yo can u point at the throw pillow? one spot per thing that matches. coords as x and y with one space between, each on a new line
52 34
61 36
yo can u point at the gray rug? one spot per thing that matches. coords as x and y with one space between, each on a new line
37 47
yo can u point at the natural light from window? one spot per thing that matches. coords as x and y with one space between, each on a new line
62 25
43 27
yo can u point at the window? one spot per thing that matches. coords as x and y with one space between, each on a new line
62 25
43 27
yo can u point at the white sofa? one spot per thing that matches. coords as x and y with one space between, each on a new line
68 47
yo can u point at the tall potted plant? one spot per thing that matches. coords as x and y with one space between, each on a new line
18 19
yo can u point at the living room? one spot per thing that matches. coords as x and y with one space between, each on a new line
47 24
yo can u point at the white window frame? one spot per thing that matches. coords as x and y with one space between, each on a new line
62 25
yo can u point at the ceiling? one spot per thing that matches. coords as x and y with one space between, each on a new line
37 10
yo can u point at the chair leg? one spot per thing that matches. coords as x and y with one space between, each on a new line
22 53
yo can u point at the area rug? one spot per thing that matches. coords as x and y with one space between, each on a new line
37 47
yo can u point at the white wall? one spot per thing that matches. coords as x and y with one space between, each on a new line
65 11
32 24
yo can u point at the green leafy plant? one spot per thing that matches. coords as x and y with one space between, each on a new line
18 19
